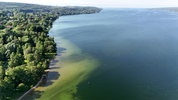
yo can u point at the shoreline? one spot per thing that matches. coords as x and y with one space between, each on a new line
72 72
38 84
66 82
60 71
31 43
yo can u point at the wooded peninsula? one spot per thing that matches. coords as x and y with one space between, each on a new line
25 46
175 9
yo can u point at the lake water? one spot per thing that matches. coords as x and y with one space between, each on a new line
135 52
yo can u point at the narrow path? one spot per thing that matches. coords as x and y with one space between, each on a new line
43 76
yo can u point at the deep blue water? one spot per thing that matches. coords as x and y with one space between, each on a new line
137 49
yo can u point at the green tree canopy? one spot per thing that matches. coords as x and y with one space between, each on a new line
10 47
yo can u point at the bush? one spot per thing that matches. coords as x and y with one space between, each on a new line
22 87
46 64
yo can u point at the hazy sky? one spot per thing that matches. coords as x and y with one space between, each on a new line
104 3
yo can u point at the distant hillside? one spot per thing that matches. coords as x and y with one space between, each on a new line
13 5
24 7
168 9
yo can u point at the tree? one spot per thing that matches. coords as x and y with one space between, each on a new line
37 56
22 87
2 72
46 64
40 70
42 50
27 45
27 78
51 48
38 44
2 27
1 63
8 23
1 56
10 47
20 58
32 28
27 51
19 49
39 29
8 31
14 23
16 74
6 89
3 53
3 39
13 60
30 58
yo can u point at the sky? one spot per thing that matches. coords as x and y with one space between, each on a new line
104 3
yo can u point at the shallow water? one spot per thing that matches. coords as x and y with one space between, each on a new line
118 54
69 68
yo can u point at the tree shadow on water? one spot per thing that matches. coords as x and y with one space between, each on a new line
54 67
54 60
49 77
33 95
60 50
52 75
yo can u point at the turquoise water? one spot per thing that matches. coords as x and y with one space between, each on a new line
137 50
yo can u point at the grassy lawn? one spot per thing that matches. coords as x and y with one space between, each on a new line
50 55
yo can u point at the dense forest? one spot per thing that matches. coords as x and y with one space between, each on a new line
25 47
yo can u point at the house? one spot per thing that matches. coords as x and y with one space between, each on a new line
31 18
8 26
8 14
10 21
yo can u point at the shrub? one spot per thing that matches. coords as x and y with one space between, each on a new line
22 87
